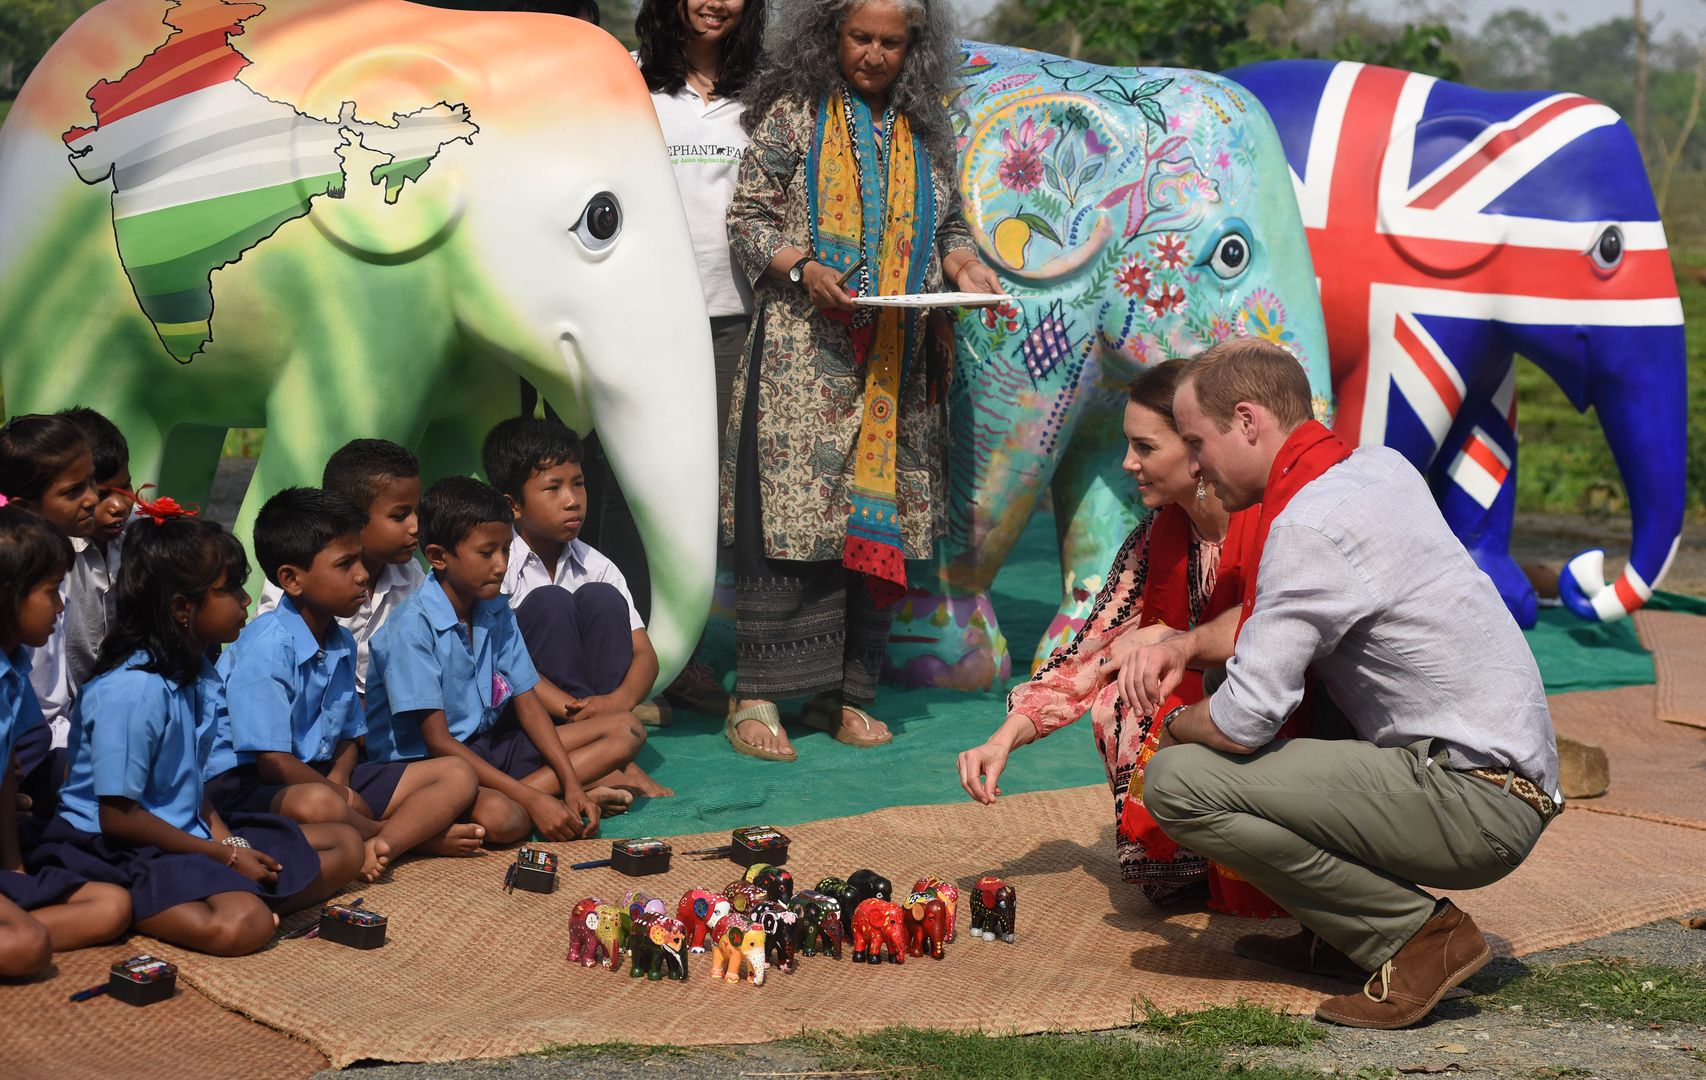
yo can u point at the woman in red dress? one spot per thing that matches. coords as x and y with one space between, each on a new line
1181 566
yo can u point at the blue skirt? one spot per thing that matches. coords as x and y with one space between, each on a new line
506 747
242 791
41 769
159 880
31 890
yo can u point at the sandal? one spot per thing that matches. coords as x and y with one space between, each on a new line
818 716
765 713
697 688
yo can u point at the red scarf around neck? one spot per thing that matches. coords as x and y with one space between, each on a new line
1307 453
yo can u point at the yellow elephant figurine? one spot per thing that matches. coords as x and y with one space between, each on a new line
738 948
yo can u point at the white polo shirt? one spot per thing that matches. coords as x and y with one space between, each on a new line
580 564
706 143
397 582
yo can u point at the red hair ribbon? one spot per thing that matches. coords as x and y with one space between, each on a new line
162 508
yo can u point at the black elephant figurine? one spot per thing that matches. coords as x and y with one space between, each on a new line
775 881
817 923
778 921
845 897
657 947
992 904
865 885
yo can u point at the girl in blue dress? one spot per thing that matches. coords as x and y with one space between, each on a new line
52 910
133 810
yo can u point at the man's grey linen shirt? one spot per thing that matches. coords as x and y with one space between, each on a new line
1362 583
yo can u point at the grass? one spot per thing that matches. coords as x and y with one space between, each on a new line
625 1052
1232 1025
1610 988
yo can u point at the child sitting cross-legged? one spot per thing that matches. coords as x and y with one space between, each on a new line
133 810
580 624
293 717
452 678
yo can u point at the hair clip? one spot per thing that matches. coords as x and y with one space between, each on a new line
160 509
4 501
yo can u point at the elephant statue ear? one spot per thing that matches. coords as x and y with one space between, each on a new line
401 197
1032 176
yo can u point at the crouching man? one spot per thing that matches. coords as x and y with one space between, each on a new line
1452 771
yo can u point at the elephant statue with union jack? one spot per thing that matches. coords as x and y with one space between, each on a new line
1452 228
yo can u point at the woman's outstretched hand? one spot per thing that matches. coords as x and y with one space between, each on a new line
974 277
980 771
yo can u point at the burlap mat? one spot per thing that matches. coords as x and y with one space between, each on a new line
1678 644
45 1037
1658 771
470 971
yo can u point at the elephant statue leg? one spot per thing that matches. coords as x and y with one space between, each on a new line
189 460
1474 479
1095 509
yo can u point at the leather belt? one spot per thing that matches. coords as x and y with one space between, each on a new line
1526 790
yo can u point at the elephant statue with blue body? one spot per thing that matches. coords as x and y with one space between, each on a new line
1134 214
359 218
1454 227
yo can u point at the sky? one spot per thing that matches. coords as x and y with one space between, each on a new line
1668 16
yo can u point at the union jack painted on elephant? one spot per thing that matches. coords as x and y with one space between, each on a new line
1452 227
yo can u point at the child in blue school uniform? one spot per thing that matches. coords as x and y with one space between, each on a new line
452 678
293 716
52 910
46 467
134 811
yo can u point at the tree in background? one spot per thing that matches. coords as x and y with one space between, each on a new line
28 28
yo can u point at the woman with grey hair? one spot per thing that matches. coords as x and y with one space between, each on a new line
834 471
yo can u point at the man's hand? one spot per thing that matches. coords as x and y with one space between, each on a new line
553 818
257 866
980 770
1148 674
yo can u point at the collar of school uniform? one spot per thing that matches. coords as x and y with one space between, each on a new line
18 661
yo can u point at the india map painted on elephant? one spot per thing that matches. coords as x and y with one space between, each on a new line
203 167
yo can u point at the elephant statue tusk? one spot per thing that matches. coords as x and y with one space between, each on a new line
1583 588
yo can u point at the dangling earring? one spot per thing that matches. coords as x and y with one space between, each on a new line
1202 489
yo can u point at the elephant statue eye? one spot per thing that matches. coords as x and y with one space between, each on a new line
600 223
1607 251
1230 256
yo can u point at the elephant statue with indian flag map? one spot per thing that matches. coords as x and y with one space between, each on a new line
336 219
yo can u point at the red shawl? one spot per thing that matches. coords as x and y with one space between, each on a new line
1167 582
1308 452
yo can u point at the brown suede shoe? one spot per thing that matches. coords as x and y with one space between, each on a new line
1445 951
1303 951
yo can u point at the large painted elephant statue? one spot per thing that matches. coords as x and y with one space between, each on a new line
1134 215
359 218
1452 227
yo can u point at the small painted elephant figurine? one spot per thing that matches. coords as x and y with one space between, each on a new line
948 892
817 925
583 932
638 902
926 924
737 949
992 904
878 923
845 898
744 896
778 922
656 947
774 880
697 910
865 885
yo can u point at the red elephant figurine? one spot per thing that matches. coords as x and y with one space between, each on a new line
697 910
744 895
877 923
925 920
949 894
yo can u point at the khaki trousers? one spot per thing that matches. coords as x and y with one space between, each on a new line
1343 833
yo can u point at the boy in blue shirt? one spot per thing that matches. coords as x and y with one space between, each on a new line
293 716
451 678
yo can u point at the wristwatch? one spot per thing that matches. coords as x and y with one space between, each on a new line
1172 715
798 270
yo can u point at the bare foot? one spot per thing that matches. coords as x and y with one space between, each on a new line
377 856
756 734
460 839
636 780
611 800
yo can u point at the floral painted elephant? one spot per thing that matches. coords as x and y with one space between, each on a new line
1453 227
697 910
656 947
359 218
781 941
948 892
877 924
1134 215
924 920
737 949
817 925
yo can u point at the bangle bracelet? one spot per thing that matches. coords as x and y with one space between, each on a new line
235 841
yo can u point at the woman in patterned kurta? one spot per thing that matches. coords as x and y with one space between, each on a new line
850 172
1181 566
